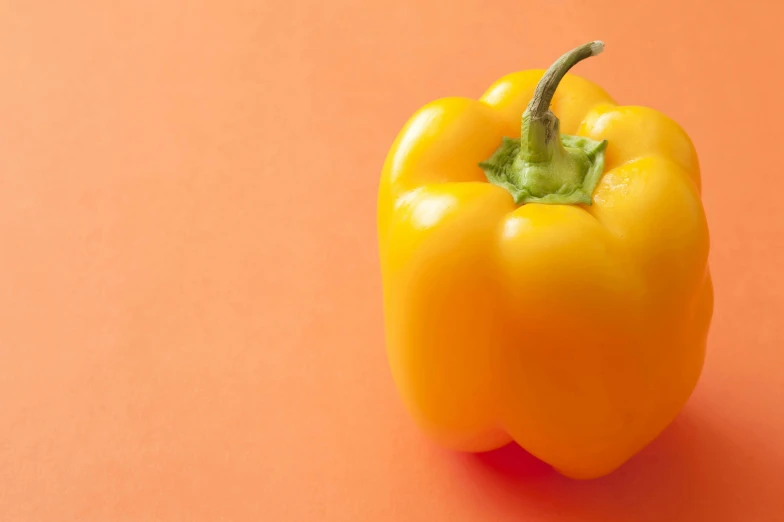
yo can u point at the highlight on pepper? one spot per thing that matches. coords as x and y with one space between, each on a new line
544 257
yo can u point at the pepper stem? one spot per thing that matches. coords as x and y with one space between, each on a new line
543 95
544 166
540 126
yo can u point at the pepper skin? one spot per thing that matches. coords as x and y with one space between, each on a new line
577 330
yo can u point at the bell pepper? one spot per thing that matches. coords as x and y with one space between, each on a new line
545 283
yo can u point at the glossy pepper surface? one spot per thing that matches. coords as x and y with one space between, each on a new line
544 283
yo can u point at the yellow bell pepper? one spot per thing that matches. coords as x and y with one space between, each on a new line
544 283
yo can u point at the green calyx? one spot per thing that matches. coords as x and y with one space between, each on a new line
568 174
544 166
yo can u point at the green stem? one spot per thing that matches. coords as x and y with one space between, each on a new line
540 126
543 166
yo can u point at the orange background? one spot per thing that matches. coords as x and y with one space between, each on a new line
190 320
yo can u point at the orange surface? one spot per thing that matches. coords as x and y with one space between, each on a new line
190 321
